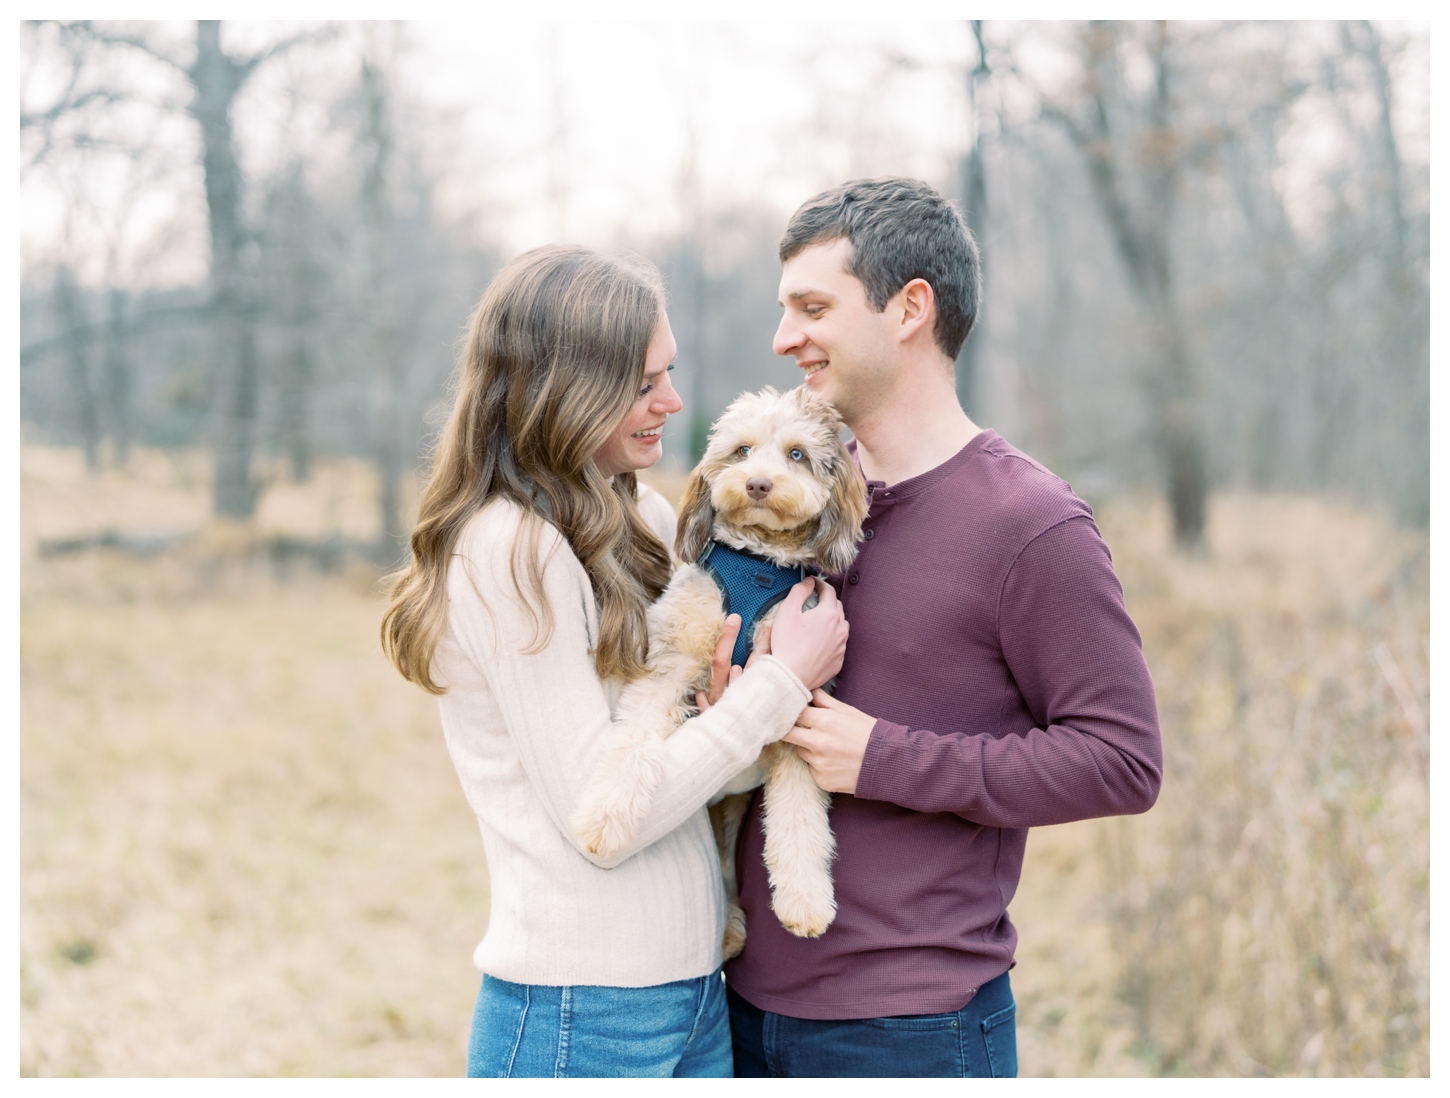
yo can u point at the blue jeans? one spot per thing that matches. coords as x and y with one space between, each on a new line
679 1029
978 1041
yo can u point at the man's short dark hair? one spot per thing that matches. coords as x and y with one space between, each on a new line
899 229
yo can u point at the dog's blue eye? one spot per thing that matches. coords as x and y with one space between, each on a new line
745 451
796 455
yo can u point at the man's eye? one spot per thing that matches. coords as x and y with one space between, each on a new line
744 451
795 454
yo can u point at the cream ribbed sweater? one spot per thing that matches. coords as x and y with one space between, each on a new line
522 729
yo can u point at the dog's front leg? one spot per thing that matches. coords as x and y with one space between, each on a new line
799 845
726 816
632 762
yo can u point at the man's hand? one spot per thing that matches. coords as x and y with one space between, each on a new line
831 737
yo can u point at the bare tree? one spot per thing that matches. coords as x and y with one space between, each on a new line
378 141
216 77
118 374
1125 142
76 343
974 206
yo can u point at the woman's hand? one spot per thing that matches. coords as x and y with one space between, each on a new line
812 643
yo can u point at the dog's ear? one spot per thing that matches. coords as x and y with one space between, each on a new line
840 524
697 519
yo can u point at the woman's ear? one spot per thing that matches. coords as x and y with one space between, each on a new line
697 519
839 528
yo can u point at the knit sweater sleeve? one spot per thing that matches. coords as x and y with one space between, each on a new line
1077 658
556 709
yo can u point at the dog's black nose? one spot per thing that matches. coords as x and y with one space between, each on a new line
758 487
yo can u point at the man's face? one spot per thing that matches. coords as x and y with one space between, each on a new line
846 349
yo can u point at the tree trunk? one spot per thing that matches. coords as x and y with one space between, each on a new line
387 367
295 427
118 376
974 207
217 78
1142 234
70 313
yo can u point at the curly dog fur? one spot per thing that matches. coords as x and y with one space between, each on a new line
775 481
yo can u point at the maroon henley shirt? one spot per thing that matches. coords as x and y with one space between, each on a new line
990 640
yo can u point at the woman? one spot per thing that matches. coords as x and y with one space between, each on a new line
534 559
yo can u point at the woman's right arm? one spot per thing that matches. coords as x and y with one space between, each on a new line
554 704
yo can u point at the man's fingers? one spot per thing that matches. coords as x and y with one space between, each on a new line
737 670
799 593
808 718
827 592
821 700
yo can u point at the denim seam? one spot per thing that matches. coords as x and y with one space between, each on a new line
769 1034
566 1019
962 1059
990 1023
700 999
519 1036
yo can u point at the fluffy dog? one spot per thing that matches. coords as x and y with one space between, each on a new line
775 485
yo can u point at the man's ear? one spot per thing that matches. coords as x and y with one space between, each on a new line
697 519
839 526
918 307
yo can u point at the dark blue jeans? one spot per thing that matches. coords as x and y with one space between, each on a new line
978 1041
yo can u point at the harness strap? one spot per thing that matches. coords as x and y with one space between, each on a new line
750 585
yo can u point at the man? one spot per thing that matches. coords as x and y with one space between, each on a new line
993 681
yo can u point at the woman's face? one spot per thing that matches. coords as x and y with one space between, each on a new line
635 443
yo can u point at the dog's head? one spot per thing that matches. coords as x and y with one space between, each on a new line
776 480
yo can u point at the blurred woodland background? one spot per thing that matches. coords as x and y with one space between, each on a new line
247 253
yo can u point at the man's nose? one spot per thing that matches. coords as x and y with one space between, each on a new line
787 338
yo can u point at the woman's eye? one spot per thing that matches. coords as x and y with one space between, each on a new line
796 455
744 451
650 387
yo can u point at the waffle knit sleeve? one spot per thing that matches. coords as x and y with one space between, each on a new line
555 708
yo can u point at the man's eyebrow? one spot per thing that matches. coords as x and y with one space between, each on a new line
796 295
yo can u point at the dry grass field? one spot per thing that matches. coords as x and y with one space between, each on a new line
244 850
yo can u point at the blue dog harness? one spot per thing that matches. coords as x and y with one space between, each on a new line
750 586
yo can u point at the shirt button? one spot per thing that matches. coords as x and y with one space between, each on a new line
854 578
869 534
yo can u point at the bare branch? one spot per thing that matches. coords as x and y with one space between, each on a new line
317 35
112 39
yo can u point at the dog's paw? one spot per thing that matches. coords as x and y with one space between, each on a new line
599 831
589 830
803 916
603 836
734 940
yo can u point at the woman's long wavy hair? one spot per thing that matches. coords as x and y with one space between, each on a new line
554 361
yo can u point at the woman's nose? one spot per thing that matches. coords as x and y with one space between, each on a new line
667 402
